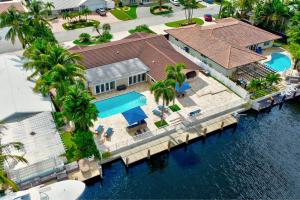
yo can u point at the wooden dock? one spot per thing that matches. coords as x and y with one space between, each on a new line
167 142
79 175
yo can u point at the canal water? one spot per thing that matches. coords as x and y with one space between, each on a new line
260 159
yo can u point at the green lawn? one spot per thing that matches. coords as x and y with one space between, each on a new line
179 23
175 108
199 5
160 124
71 148
125 13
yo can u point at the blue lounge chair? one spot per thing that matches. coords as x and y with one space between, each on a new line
157 113
109 132
163 107
99 129
194 113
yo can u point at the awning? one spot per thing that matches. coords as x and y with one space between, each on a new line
185 86
134 115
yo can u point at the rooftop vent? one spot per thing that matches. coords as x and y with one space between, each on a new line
32 133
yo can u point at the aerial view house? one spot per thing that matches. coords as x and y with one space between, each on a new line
64 5
135 59
229 46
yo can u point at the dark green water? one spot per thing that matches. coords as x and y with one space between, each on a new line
260 160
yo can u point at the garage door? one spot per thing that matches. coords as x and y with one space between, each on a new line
94 4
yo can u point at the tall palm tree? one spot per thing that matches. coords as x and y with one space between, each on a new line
255 84
64 71
165 90
227 9
175 72
5 157
36 54
273 78
295 51
49 6
85 11
38 12
16 23
78 108
245 6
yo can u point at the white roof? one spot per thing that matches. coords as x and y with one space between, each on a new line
16 94
115 71
44 144
65 4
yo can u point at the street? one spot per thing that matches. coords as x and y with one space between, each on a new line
65 36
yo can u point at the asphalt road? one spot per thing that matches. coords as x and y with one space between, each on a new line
65 36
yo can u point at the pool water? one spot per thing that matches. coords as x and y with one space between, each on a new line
279 62
120 104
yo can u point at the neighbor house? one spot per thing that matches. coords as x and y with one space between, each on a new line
226 46
5 5
70 5
138 58
17 92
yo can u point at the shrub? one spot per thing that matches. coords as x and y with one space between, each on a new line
58 119
141 28
85 144
167 9
106 155
85 37
105 37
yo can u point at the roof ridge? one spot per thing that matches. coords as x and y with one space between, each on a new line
114 43
229 56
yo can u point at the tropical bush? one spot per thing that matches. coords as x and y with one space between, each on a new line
161 10
174 108
85 144
85 37
160 123
141 29
80 24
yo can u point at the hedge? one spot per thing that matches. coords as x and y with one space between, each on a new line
152 8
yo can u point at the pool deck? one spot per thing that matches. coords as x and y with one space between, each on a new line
206 94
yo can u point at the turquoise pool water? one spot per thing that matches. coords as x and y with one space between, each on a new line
119 104
279 62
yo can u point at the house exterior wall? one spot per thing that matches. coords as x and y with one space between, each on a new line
94 4
209 62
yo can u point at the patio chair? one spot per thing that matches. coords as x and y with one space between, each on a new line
109 132
160 108
195 113
157 113
99 129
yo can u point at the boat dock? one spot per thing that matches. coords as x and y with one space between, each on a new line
167 142
94 171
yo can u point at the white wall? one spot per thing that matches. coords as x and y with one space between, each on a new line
95 4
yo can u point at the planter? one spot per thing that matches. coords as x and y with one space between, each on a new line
155 10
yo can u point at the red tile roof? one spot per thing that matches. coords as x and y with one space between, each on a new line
153 50
225 42
4 6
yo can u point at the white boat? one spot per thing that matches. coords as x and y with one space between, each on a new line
63 190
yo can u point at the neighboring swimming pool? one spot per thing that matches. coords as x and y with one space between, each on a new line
279 62
119 104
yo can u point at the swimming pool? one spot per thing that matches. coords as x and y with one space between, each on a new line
119 104
279 62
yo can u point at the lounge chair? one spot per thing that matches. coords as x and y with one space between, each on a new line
195 113
163 107
99 129
157 113
109 132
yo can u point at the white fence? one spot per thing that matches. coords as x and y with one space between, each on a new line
217 75
186 124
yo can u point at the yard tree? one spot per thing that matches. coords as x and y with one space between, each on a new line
165 90
85 144
78 107
189 6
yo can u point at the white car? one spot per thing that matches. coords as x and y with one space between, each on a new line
175 2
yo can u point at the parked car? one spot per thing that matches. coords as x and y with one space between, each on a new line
175 2
101 11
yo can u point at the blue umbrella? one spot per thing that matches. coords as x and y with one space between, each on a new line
185 86
134 115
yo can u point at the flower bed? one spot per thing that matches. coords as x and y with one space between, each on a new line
80 24
161 123
142 28
155 10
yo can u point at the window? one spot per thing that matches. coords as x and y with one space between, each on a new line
107 87
130 80
97 89
102 88
139 78
186 49
134 79
112 85
143 77
266 43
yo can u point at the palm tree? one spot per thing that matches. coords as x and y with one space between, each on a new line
244 6
255 84
295 51
36 54
227 9
38 12
165 90
49 6
189 6
97 27
85 11
175 72
64 72
4 157
106 27
85 37
78 108
67 16
16 23
273 78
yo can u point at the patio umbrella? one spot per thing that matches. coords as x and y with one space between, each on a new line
185 86
134 115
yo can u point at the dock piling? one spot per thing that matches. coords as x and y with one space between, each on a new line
127 161
187 138
169 145
148 154
222 125
204 132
